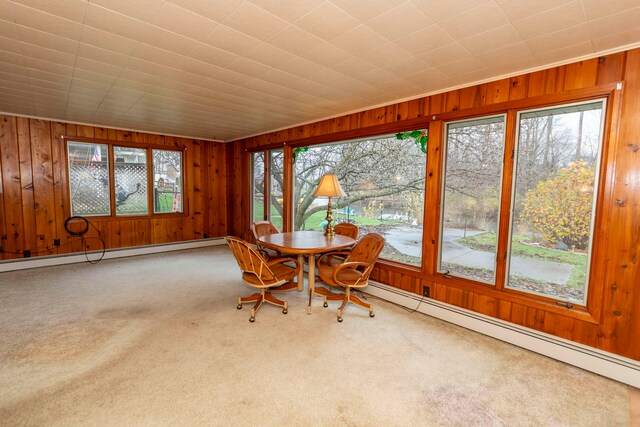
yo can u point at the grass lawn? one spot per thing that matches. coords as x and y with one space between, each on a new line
258 209
313 222
165 202
486 242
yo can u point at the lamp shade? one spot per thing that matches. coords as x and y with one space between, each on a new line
329 187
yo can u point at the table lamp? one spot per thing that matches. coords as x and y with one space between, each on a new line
329 187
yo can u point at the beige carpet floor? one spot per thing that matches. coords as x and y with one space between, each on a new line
157 340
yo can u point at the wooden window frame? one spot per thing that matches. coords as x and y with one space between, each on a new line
266 189
611 94
182 179
445 151
148 148
506 201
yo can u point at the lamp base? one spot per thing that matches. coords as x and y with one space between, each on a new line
328 231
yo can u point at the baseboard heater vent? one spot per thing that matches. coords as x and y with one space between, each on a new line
609 365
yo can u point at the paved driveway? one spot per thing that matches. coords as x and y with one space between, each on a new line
407 240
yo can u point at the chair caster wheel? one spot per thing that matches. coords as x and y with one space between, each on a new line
239 306
284 311
325 305
252 319
339 318
372 314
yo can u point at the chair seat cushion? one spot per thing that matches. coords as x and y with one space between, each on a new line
283 273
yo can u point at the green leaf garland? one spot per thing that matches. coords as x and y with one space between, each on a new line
297 151
420 137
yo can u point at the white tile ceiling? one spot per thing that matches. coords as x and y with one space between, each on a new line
225 69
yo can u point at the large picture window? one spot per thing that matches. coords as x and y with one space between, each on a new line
553 205
471 198
98 187
548 231
384 179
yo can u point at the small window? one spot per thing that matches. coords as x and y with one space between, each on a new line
89 179
167 181
267 186
471 198
276 192
257 187
130 173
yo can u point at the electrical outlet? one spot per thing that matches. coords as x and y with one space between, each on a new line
425 291
56 242
26 253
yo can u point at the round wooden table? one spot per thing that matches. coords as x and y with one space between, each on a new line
303 243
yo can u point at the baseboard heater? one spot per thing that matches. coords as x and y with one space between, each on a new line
603 363
72 258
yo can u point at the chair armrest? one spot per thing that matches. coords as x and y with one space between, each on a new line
351 265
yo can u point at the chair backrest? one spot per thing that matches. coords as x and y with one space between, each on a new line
367 249
346 229
263 228
251 262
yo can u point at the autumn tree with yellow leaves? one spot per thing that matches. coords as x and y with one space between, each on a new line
559 208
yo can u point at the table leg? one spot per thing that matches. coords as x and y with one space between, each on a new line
312 279
301 272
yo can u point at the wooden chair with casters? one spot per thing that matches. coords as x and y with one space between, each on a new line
353 272
346 229
268 276
264 228
336 257
343 229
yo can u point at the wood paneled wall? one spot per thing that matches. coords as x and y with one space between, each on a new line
614 325
34 200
